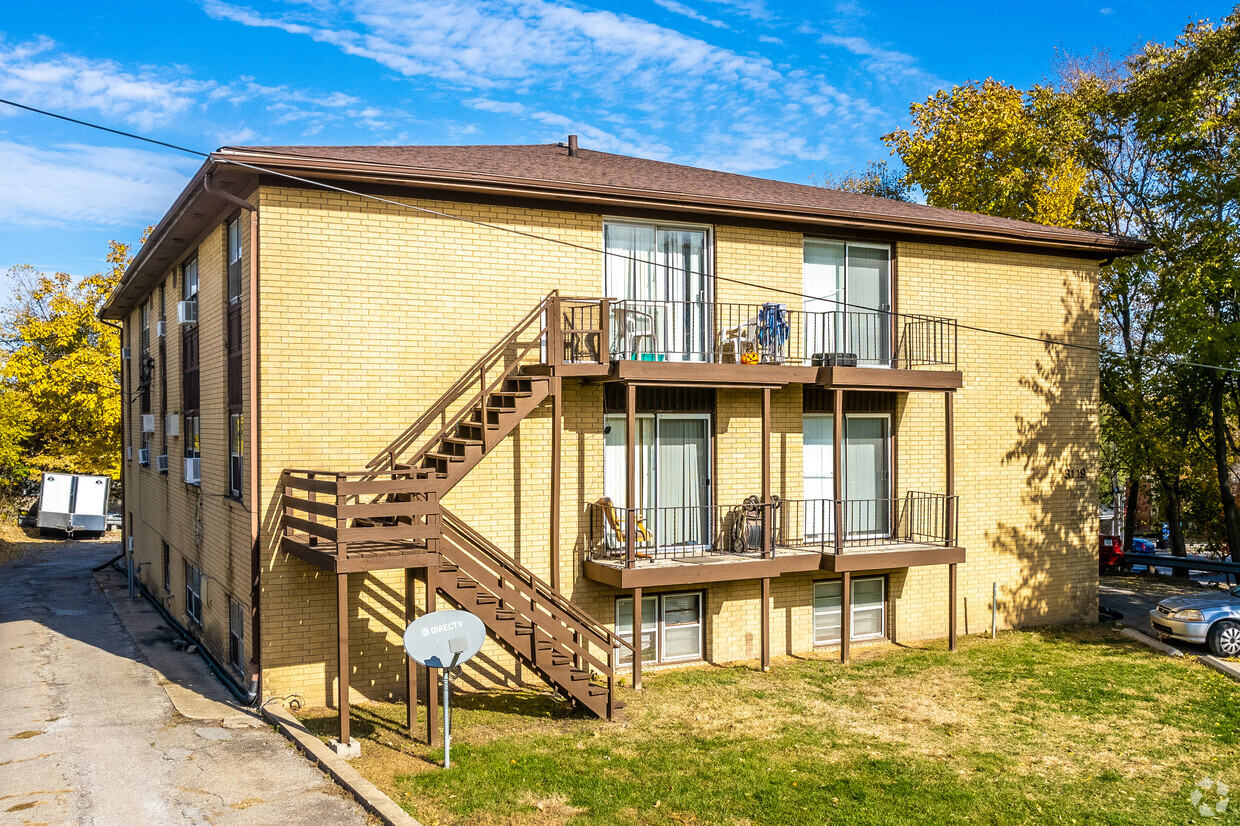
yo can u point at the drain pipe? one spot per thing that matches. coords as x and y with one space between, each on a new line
994 609
246 698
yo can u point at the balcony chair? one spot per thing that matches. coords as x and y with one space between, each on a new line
634 326
641 534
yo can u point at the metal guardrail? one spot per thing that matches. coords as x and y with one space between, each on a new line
1191 563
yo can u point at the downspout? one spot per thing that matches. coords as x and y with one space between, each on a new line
256 559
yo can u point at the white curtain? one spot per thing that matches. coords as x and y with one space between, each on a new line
824 279
682 481
683 322
865 440
818 476
614 467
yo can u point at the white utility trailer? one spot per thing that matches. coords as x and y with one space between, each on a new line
69 503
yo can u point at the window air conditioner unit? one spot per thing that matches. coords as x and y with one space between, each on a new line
125 354
161 463
172 424
191 472
161 329
148 422
187 312
128 453
144 456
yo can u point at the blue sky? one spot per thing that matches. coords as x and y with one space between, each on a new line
778 89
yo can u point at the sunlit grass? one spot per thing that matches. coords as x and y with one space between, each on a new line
1054 726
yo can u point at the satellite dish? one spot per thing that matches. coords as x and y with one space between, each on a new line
444 639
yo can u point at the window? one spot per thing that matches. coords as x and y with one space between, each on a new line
189 344
671 627
193 593
869 610
189 284
163 370
167 568
236 438
236 635
850 313
146 363
672 466
866 462
232 345
661 274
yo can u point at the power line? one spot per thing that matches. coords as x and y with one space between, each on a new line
570 244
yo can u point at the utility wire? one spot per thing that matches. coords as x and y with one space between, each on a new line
565 243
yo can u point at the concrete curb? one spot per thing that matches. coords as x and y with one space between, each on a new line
1222 667
1152 643
366 793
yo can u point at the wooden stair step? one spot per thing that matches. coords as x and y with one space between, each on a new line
595 690
487 599
444 457
505 614
465 582
577 674
560 658
463 441
447 568
524 629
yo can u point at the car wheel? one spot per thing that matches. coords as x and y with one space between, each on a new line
1225 639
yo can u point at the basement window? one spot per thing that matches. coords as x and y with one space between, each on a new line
671 627
193 593
236 635
869 610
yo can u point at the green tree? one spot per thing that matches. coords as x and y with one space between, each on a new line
992 148
60 400
878 179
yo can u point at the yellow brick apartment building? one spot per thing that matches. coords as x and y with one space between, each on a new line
609 405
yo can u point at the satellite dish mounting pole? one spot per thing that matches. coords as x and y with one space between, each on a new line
447 713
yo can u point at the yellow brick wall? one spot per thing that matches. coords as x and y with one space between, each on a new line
369 311
200 524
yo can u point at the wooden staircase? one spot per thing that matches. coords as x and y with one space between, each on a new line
544 630
551 636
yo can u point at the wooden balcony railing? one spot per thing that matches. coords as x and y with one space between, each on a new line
338 512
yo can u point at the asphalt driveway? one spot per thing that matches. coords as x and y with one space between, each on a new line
89 736
1135 595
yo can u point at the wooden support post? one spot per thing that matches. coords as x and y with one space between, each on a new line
837 472
768 522
411 667
637 639
845 617
630 482
949 452
604 335
766 623
951 606
342 547
342 654
557 421
432 688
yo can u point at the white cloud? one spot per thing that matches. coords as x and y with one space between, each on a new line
1106 11
33 74
692 14
889 65
87 186
672 88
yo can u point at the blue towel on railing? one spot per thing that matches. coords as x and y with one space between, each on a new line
773 329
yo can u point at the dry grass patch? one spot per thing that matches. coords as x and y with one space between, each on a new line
1032 727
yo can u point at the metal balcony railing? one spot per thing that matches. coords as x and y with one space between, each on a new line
592 330
917 518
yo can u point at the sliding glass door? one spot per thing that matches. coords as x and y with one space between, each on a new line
867 478
673 475
849 311
660 277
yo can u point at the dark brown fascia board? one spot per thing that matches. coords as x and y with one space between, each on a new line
1098 246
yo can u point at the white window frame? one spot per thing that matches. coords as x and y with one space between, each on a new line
837 297
193 592
236 635
853 608
624 608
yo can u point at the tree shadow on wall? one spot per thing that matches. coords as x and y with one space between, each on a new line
1057 580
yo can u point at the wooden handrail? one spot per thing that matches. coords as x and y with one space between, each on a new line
603 635
469 378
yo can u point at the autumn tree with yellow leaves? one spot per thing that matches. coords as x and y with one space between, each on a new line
60 403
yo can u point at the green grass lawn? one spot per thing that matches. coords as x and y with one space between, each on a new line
1063 725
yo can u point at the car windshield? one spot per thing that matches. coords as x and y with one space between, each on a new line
1235 592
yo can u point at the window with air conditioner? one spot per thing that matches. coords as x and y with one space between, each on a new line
236 437
193 435
161 463
144 456
193 472
161 329
148 422
172 424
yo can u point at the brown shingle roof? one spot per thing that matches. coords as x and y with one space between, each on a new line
548 167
